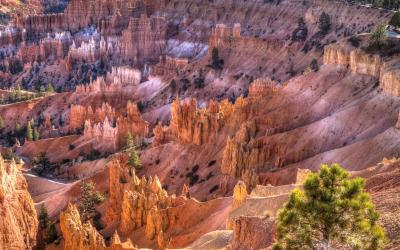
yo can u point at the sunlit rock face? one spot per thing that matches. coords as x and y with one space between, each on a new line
361 62
144 39
78 235
18 219
80 14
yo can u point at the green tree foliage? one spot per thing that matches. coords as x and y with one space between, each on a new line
387 4
395 20
88 199
216 62
333 212
324 23
378 36
43 216
51 233
41 163
134 160
49 88
129 140
300 22
1 123
29 131
314 65
36 134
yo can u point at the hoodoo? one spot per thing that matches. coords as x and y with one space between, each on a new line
195 124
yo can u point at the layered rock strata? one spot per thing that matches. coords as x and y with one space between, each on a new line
361 62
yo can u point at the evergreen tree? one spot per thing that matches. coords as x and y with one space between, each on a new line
88 200
216 62
51 234
43 216
333 212
324 23
379 36
395 20
134 160
36 134
1 123
29 131
300 22
314 65
129 141
50 88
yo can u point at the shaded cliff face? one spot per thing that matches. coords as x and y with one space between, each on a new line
19 224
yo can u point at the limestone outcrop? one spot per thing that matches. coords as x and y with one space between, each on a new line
144 40
253 232
361 62
78 235
18 219
135 203
79 114
169 66
192 125
80 14
106 126
239 194
239 154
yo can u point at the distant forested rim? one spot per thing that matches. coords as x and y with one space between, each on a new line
386 4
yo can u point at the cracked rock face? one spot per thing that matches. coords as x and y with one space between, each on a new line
18 221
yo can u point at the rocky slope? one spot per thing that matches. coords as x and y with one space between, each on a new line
227 109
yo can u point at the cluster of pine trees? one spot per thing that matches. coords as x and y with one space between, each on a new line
386 4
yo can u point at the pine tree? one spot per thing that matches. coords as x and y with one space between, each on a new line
43 216
50 88
36 134
379 36
395 20
129 141
333 212
216 62
134 160
88 200
1 123
51 234
324 23
29 131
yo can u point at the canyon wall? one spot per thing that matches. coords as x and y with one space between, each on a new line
361 62
144 40
81 13
18 219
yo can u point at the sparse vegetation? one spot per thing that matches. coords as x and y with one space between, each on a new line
41 164
88 200
51 234
395 20
134 160
324 23
333 212
216 62
378 36
129 141
43 216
